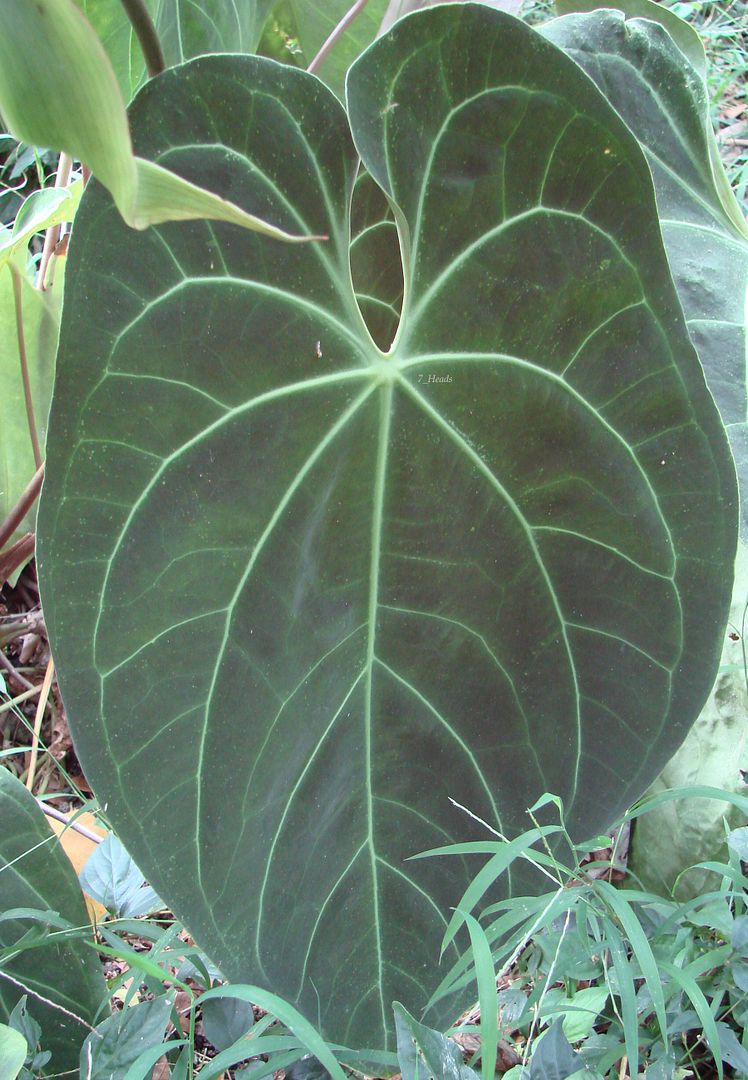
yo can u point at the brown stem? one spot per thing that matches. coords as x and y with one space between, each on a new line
16 675
16 555
142 24
22 507
18 298
337 33
41 705
59 816
52 235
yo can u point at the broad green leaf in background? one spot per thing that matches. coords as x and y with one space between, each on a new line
36 873
41 324
334 587
314 21
41 44
552 1057
659 89
13 1051
185 29
673 837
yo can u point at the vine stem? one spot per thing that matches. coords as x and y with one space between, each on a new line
40 707
22 507
147 35
52 235
18 298
337 33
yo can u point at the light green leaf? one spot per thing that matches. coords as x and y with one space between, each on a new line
185 29
39 211
348 592
663 97
35 872
40 326
13 1051
41 44
584 1007
315 22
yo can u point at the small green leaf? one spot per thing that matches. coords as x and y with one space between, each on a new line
584 1008
111 877
442 1057
117 1043
553 1057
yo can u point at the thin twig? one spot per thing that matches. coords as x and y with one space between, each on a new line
21 697
19 678
52 1004
337 33
147 35
40 707
59 816
22 507
18 298
52 235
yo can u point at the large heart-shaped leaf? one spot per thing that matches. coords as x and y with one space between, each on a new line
302 592
35 873
654 76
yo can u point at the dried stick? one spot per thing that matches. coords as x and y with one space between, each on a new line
337 33
40 707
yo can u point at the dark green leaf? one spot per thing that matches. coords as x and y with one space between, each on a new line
119 1041
334 591
225 1020
308 1068
733 1052
424 1053
553 1057
34 870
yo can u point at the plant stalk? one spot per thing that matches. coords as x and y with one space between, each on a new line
41 705
337 33
147 35
14 556
21 697
52 235
22 507
18 298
